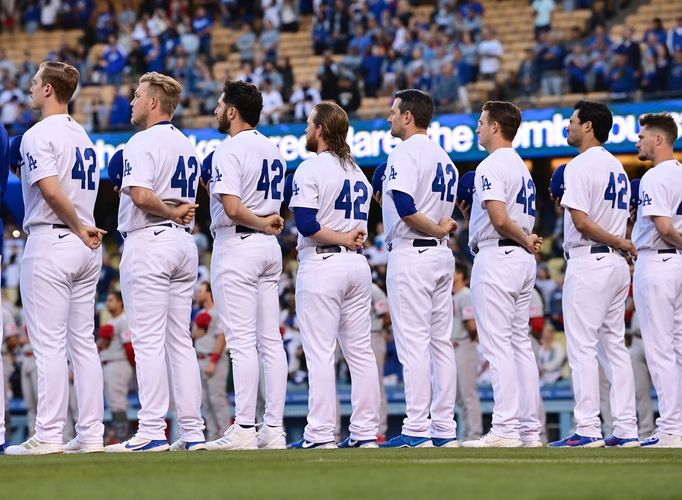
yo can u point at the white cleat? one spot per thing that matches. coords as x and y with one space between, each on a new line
76 446
490 440
236 438
660 439
181 445
271 438
34 447
138 444
531 444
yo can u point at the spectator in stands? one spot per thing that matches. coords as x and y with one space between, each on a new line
289 17
598 38
272 104
472 21
490 52
339 22
31 16
621 79
527 73
550 65
202 26
348 94
371 70
630 49
649 83
113 60
105 22
270 72
577 63
551 356
320 33
556 314
95 112
599 67
136 63
126 14
49 11
656 28
269 41
286 72
543 16
445 87
246 43
270 9
674 39
304 100
155 56
120 112
675 80
328 74
24 120
392 68
10 98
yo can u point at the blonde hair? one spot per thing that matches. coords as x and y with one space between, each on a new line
166 89
63 78
334 122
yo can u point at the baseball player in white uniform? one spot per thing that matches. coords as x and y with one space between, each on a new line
116 353
502 279
418 201
61 265
246 191
658 273
159 267
596 199
381 320
209 343
466 355
330 199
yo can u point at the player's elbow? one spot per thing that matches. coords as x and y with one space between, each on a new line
139 196
231 206
664 226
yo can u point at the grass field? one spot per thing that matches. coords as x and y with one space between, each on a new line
332 474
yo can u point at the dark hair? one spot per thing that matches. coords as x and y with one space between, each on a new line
63 78
334 122
599 114
663 122
506 115
417 102
207 284
118 295
246 98
463 269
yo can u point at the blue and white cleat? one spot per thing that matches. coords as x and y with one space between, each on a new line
363 443
578 441
660 439
302 444
405 441
135 444
616 442
445 442
181 445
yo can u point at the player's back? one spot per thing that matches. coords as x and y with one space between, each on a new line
502 176
251 167
421 168
58 146
162 159
340 194
596 184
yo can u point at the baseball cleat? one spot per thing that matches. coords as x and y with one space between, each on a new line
76 446
490 440
362 443
236 438
405 441
2 449
181 445
302 444
445 442
661 439
271 438
616 442
531 444
34 447
578 441
138 444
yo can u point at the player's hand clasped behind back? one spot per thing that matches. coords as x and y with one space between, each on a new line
91 236
273 224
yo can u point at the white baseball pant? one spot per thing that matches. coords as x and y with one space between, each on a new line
419 286
502 280
245 270
158 272
658 299
595 291
58 280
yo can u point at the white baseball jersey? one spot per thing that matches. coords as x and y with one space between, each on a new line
596 184
206 343
58 146
163 159
463 310
218 215
115 350
502 176
251 167
660 193
422 169
340 195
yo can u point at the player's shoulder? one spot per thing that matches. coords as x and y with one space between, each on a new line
307 167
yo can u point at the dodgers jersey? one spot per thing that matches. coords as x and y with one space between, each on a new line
660 193
249 166
218 215
58 146
422 169
163 159
596 184
115 350
502 176
340 195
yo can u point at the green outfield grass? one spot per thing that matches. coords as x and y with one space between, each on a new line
345 474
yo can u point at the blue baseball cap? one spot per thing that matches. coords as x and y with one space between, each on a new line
14 153
466 188
288 188
378 178
115 168
634 189
207 168
556 182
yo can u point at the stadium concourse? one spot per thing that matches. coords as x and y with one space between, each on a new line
544 55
